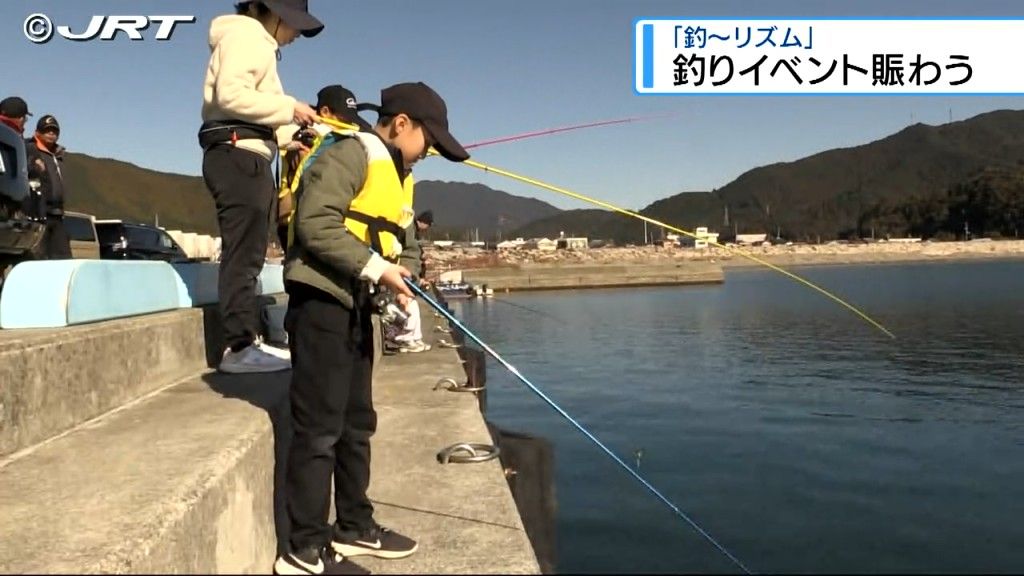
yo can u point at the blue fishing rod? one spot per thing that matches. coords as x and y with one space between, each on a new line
448 315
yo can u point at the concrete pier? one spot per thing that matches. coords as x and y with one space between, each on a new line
176 469
462 514
577 276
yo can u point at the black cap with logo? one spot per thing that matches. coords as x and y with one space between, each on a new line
48 122
419 102
342 102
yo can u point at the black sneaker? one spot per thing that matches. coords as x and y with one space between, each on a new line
316 561
377 541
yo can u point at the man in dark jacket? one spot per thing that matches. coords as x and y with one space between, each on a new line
45 160
13 113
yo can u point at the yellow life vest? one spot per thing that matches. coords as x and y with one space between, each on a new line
382 208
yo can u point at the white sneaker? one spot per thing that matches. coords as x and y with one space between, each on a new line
413 347
281 353
252 360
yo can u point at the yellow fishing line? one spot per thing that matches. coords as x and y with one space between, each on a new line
556 189
612 207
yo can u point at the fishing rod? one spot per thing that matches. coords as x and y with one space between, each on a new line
527 308
561 129
525 135
544 315
743 253
515 372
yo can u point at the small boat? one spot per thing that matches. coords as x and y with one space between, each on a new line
455 289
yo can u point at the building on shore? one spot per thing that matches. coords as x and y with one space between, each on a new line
546 245
700 240
579 243
704 238
751 239
511 244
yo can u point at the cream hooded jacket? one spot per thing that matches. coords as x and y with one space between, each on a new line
242 82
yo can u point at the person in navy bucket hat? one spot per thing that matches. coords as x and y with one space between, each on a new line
247 118
295 13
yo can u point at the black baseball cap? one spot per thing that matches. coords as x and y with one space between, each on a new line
295 13
342 102
419 102
14 107
48 122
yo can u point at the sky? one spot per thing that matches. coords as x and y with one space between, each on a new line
504 67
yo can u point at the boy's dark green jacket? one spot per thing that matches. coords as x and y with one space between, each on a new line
324 254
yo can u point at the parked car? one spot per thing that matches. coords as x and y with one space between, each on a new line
19 234
126 241
81 228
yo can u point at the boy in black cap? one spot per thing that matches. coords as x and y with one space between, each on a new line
354 204
45 161
335 102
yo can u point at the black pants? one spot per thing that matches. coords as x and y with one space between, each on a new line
332 415
282 236
56 244
242 186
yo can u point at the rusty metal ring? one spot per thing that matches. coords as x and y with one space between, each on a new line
451 385
468 453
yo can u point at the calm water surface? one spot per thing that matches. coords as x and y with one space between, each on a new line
799 436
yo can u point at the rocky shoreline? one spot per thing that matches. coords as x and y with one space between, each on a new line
458 258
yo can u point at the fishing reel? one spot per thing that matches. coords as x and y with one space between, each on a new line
307 136
383 303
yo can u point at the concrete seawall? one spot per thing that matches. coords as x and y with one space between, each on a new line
575 276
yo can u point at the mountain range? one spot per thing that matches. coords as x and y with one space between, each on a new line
843 192
887 186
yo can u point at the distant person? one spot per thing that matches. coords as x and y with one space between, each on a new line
337 103
244 106
45 166
14 113
406 336
409 337
424 221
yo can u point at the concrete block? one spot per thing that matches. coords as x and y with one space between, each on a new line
52 380
197 283
182 482
270 280
204 246
175 235
56 293
188 243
